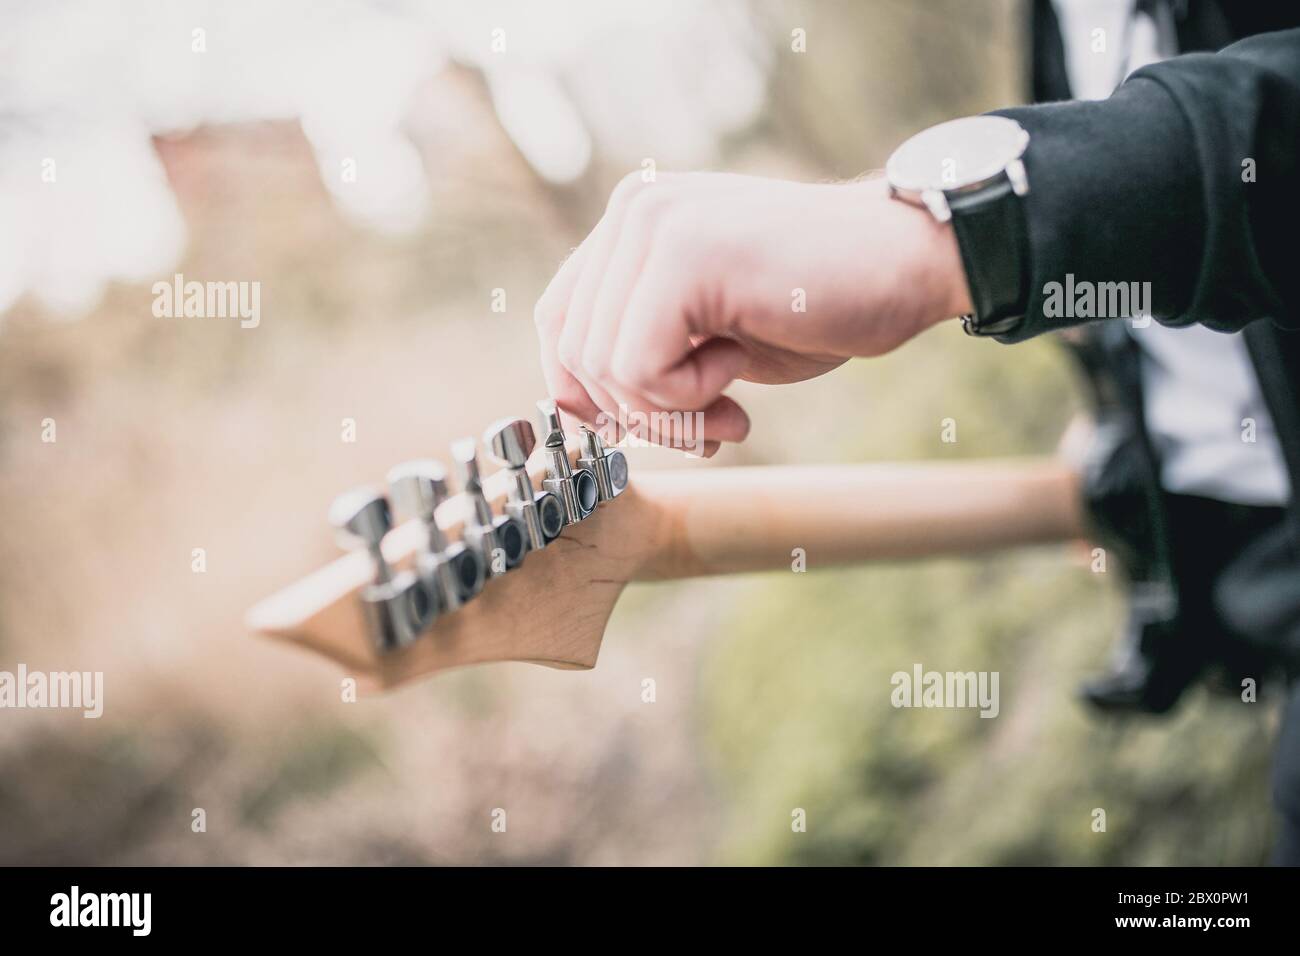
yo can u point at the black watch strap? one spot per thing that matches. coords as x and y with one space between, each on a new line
994 240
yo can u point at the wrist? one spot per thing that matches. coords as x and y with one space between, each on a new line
932 269
950 278
969 175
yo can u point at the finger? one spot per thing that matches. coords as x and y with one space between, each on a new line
701 376
648 227
618 278
579 315
722 421
656 355
718 417
548 317
566 391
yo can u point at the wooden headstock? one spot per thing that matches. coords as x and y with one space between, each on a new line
551 610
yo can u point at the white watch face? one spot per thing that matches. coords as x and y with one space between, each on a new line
954 155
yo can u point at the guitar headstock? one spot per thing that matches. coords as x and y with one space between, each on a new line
524 565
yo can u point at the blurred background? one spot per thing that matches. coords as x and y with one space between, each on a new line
216 140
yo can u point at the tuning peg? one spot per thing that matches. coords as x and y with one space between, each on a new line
609 466
511 441
500 540
452 571
362 516
575 487
398 605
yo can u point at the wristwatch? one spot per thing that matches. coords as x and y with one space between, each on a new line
969 171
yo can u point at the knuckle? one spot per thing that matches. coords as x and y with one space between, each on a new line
627 371
569 352
646 208
546 313
680 230
627 189
596 362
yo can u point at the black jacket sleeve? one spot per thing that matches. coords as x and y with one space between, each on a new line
1186 177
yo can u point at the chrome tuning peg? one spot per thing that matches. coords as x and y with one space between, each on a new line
608 465
510 442
575 487
398 604
500 540
452 571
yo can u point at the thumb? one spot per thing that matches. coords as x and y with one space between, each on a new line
697 380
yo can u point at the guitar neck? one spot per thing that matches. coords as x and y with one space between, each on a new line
679 524
720 521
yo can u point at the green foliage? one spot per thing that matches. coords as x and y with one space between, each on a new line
799 715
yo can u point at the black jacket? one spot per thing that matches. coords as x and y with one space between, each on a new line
1148 186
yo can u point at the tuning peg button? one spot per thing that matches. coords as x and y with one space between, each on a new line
398 605
608 465
361 516
500 540
451 570
575 487
511 441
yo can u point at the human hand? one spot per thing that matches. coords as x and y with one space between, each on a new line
695 280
